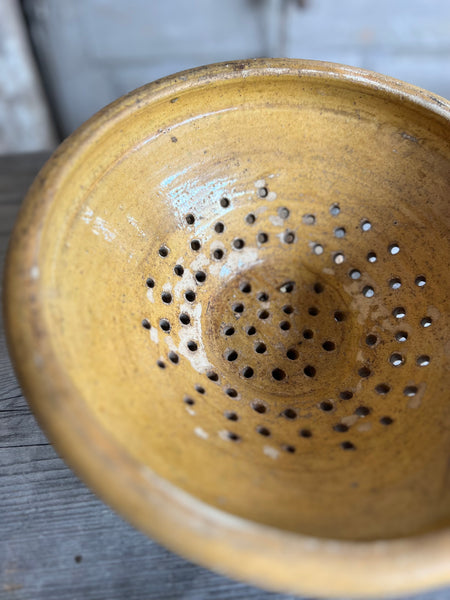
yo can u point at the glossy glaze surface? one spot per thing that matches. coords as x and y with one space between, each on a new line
227 294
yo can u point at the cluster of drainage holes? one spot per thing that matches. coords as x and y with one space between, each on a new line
238 308
289 237
303 433
200 276
167 298
290 414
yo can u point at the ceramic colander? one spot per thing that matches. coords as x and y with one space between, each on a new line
226 304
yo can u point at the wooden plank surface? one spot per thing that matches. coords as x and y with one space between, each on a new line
57 540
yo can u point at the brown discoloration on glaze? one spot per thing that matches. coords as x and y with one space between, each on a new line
245 471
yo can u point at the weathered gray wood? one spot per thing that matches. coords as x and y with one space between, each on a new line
57 541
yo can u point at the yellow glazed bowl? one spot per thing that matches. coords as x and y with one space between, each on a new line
226 304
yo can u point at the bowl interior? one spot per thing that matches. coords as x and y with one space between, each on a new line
244 280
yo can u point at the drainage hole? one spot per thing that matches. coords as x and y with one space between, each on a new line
259 407
200 276
309 219
262 238
420 281
309 371
248 372
185 318
318 288
335 209
371 339
348 446
263 431
410 390
231 416
329 346
278 374
173 357
364 372
340 427
401 336
289 237
289 413
231 355
382 388
305 433
164 324
396 359
423 360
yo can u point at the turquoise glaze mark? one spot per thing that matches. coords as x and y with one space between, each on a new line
225 271
191 191
193 194
169 180
235 265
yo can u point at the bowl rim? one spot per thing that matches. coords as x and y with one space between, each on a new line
256 553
